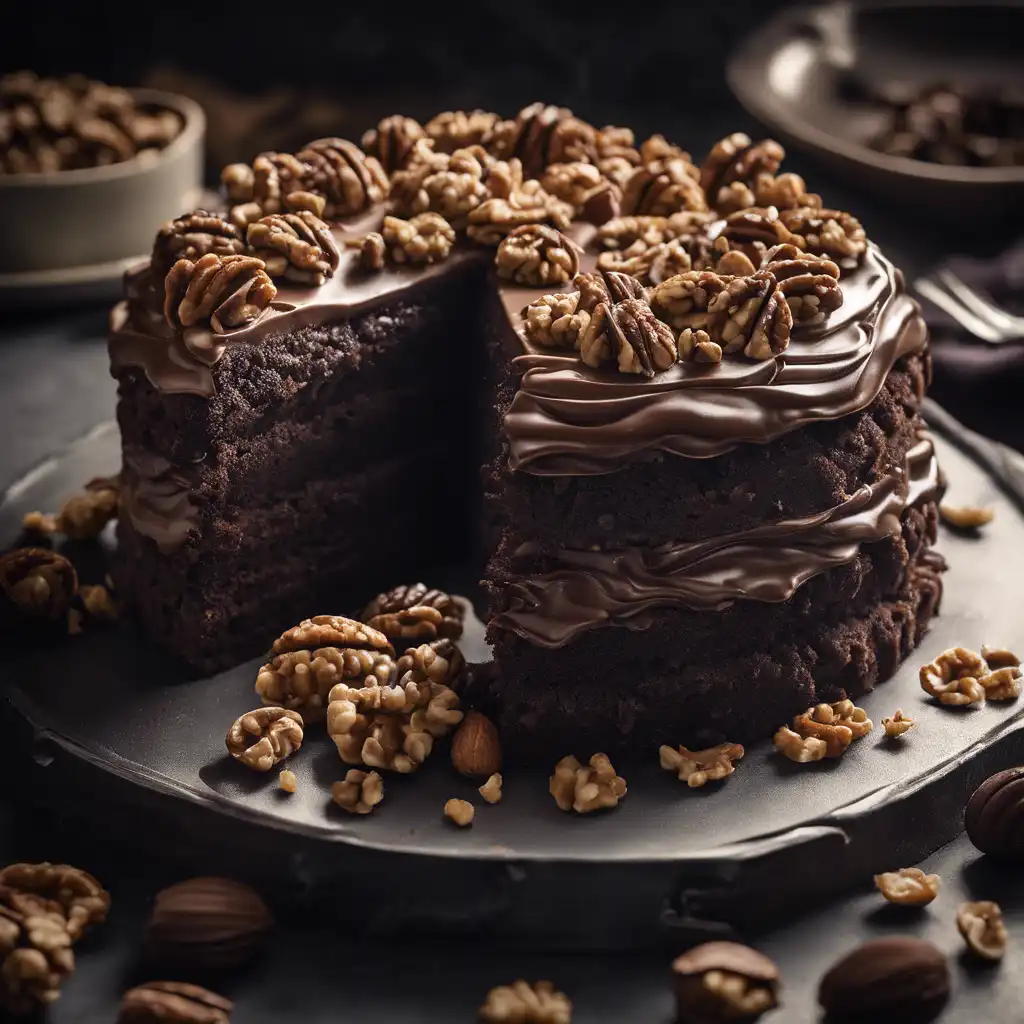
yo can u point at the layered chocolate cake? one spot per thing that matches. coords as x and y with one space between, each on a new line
710 498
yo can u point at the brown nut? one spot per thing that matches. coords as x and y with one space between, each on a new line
724 981
966 517
265 736
207 924
523 1003
981 925
461 812
476 747
173 1002
894 978
994 818
36 584
909 887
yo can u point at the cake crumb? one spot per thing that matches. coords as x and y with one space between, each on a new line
288 782
491 789
461 812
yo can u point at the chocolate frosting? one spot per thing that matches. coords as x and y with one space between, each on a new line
768 563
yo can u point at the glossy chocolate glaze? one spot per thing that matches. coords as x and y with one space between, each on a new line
768 563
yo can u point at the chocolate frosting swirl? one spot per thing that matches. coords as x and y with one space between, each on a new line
768 563
567 419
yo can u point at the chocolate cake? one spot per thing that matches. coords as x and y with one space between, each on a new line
710 501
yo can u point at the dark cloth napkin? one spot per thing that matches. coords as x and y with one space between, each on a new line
979 382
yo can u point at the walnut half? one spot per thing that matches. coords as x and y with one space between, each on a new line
910 887
260 739
981 925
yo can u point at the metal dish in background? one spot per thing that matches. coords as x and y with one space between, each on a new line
68 235
792 73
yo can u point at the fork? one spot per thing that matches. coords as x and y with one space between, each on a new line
976 314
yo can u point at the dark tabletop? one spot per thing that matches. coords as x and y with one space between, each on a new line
54 386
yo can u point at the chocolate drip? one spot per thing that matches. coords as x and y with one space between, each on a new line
157 498
768 563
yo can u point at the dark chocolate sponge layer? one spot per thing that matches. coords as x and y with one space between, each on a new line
699 678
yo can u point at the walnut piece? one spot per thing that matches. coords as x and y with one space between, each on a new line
593 196
697 767
966 517
541 135
981 925
191 236
360 791
953 677
491 789
649 264
624 232
897 725
372 250
275 176
425 238
393 140
461 812
623 327
554 321
801 749
784 192
758 321
830 233
35 957
810 284
662 188
344 175
586 789
287 781
309 659
32 889
262 738
36 583
909 887
450 185
753 232
838 725
238 181
737 158
99 603
529 203
457 129
85 515
295 246
413 611
523 1003
394 727
536 254
228 292
173 1002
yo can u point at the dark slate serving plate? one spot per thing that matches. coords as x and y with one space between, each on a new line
109 720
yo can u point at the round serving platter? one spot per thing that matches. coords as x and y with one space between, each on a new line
108 723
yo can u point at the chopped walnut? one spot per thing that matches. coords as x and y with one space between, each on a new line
456 129
226 291
173 1002
801 749
491 789
536 254
496 217
837 724
414 611
523 1003
897 725
452 186
193 235
425 238
372 250
785 192
35 889
308 660
461 812
585 789
287 781
1002 683
262 738
37 583
662 188
541 135
830 233
737 158
697 767
344 175
966 517
360 791
953 677
754 231
981 925
648 264
84 516
394 727
810 284
909 887
393 140
553 321
296 246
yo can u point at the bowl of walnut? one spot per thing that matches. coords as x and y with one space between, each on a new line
87 171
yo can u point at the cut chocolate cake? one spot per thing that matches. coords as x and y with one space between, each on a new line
710 498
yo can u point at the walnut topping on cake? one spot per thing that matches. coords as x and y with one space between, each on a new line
536 254
575 183
554 321
414 611
193 235
344 175
275 176
737 159
393 140
622 326
541 135
450 184
784 192
372 251
586 788
456 129
661 188
649 264
830 233
296 246
810 284
425 238
753 232
227 292
264 737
